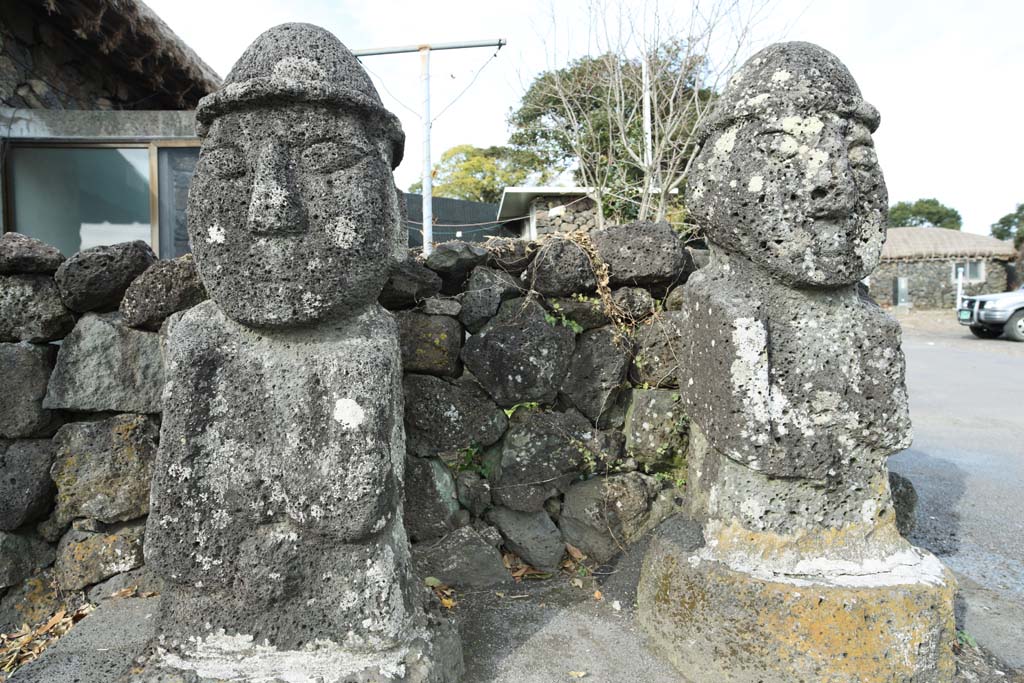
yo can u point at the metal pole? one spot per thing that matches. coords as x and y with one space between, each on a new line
424 50
428 181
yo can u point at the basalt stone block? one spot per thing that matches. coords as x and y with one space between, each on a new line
430 343
485 291
561 267
23 254
31 309
453 261
657 428
530 535
431 500
463 559
642 253
408 283
26 491
674 299
519 356
26 371
587 312
636 302
541 454
85 558
31 601
510 255
95 279
102 471
596 381
659 359
474 492
602 515
20 556
135 582
443 417
164 288
104 365
437 305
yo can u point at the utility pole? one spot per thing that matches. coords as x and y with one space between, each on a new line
424 51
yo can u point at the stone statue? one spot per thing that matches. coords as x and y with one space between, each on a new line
795 382
276 517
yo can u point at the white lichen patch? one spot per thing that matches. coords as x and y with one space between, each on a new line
349 413
802 125
215 234
344 232
724 144
756 184
781 76
749 371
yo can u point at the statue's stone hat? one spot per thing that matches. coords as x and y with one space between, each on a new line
301 62
786 78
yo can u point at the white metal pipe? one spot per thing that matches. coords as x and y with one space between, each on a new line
428 184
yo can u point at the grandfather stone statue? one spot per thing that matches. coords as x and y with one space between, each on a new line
795 384
276 516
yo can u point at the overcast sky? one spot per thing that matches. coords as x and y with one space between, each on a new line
945 74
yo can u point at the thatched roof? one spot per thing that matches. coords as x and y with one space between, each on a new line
911 244
134 40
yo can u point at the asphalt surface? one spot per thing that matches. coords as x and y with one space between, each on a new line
967 464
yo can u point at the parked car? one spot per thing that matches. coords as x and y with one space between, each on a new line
991 315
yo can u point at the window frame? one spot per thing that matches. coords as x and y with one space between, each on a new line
968 280
152 145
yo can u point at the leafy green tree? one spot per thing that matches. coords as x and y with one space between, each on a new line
924 213
480 174
1011 227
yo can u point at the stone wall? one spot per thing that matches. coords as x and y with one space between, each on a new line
564 214
540 397
41 68
930 284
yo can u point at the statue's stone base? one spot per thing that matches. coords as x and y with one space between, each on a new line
433 657
717 623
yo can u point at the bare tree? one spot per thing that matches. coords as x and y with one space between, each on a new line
625 116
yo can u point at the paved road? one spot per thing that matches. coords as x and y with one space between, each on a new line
967 463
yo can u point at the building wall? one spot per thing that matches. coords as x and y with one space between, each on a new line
930 284
42 68
580 213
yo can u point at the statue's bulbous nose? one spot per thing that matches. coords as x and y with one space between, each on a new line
276 205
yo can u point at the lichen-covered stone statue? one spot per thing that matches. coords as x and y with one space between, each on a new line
276 518
794 383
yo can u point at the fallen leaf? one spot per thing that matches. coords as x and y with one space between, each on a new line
577 674
574 552
598 595
432 581
617 606
577 582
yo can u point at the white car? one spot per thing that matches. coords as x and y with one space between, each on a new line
991 315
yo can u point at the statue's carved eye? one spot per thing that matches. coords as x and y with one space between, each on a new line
225 162
325 157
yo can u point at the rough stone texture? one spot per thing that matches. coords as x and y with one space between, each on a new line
642 253
26 371
20 556
165 287
510 255
932 284
95 279
139 581
564 213
453 261
803 573
430 343
463 559
31 601
437 305
31 309
85 558
408 283
657 360
541 455
485 290
474 492
102 471
442 417
518 356
904 503
657 429
636 302
596 381
105 365
280 469
530 535
674 299
23 254
602 515
587 312
561 267
26 491
431 500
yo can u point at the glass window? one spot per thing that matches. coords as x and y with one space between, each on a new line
175 166
974 270
76 198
